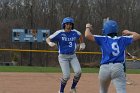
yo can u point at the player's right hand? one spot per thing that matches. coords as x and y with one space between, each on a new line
52 44
88 25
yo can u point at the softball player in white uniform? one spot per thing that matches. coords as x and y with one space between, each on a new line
66 39
113 54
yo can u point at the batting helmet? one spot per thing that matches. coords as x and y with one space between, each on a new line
68 20
110 26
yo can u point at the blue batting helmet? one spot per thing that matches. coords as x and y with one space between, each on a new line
110 26
68 20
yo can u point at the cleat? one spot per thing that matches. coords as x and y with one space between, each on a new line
60 92
129 83
73 90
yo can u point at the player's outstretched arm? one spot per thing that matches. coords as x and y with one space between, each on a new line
88 33
135 35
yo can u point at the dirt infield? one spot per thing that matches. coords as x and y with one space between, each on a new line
49 83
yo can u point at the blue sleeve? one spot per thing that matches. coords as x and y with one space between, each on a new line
55 36
78 33
99 39
127 40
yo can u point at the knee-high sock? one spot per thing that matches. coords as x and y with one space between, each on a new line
74 84
75 81
63 84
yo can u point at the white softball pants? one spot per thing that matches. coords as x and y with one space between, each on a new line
66 61
115 73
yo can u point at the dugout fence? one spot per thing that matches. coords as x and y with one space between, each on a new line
46 58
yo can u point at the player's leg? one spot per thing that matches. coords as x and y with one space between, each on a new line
124 65
118 77
65 67
77 71
127 81
104 78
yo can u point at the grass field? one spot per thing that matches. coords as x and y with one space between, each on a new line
53 69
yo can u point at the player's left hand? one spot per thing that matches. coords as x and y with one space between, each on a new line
82 46
125 32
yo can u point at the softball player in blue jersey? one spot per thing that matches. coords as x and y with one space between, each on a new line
66 39
113 54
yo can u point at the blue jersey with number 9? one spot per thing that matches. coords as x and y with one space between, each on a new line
113 49
66 40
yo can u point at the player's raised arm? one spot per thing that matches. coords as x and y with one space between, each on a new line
88 33
135 35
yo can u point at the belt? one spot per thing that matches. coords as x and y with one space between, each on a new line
112 62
